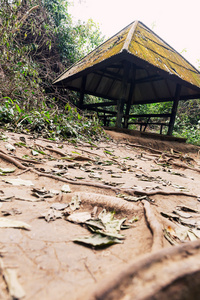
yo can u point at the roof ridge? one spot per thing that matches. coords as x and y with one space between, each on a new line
129 36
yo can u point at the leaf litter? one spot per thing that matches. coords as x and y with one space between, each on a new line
105 228
187 222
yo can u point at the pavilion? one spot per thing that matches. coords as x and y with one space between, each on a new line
133 67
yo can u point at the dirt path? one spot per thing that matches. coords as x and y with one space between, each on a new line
154 185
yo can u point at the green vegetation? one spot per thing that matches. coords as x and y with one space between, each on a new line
187 124
37 42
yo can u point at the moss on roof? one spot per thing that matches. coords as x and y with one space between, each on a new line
143 44
148 46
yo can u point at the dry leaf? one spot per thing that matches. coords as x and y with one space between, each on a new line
15 289
9 223
66 189
19 181
7 170
80 217
10 147
59 206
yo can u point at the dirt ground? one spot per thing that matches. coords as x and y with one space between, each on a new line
153 184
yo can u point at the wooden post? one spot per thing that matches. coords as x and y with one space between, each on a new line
174 109
128 105
82 92
121 101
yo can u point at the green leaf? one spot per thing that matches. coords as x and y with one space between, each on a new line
97 240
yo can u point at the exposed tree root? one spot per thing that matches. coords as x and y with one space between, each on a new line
181 165
105 201
52 150
11 160
28 160
155 227
158 152
79 158
171 273
86 183
151 149
160 192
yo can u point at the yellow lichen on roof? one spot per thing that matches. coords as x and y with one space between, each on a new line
108 49
149 47
141 42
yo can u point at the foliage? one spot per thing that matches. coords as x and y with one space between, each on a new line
50 123
37 42
187 123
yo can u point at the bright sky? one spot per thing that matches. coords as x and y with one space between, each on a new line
177 22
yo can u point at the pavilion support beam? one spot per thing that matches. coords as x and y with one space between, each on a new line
174 109
131 91
82 92
121 101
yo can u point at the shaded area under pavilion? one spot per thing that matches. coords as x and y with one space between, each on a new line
133 67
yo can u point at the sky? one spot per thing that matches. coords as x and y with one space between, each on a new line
177 22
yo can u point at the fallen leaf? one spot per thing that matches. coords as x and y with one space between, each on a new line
95 224
116 176
9 223
79 217
187 209
95 175
65 188
11 212
59 206
110 234
10 147
79 177
75 202
54 192
192 236
6 198
182 214
15 289
97 240
52 215
7 170
42 193
106 224
18 181
171 239
134 219
34 153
